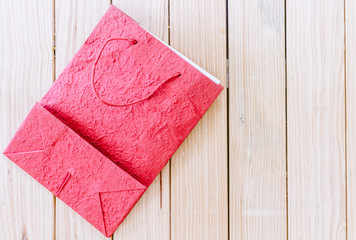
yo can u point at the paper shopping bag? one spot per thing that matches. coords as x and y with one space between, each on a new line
112 120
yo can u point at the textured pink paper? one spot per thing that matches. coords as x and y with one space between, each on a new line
73 170
140 114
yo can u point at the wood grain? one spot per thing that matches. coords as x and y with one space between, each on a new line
257 120
149 219
26 72
316 119
199 168
350 34
74 21
290 108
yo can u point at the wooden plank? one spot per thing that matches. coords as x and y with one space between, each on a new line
149 219
26 72
199 196
316 119
350 34
257 120
74 20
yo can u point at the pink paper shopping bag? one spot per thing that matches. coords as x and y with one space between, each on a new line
112 120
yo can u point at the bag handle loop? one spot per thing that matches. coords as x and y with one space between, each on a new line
133 42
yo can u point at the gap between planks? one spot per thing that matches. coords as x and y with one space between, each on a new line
345 95
227 117
54 78
286 110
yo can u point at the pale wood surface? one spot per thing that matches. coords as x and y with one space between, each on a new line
257 120
26 72
350 34
316 119
273 158
199 199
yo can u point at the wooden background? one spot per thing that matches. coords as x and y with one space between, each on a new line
273 158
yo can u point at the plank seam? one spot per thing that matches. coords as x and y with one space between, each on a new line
227 119
345 92
170 160
286 113
54 78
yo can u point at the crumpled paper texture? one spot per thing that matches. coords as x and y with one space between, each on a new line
139 138
73 170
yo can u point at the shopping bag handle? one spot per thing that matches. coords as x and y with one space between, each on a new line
133 42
